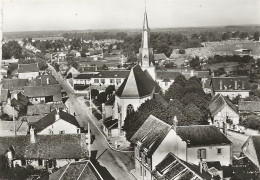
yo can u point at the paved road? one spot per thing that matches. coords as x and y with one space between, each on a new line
237 140
117 163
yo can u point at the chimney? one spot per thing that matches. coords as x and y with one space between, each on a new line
32 135
220 84
57 115
201 166
235 84
48 80
191 73
175 123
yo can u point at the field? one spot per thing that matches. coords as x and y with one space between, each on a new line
230 48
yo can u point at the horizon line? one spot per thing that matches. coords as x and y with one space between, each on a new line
134 28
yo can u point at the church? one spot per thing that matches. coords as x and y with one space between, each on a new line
139 86
143 83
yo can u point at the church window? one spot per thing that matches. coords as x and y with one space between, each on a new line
130 109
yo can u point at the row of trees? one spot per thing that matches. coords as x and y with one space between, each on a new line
187 101
230 58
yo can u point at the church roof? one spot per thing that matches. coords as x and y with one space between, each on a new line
137 84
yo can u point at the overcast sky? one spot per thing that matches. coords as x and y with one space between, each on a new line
32 15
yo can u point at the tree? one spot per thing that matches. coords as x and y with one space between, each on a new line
195 62
104 67
110 89
256 36
94 93
175 91
12 49
182 51
135 120
181 80
102 97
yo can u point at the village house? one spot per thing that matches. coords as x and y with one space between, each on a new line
223 110
7 62
43 80
14 85
12 128
249 107
74 53
78 170
28 71
57 122
106 78
171 167
82 79
230 86
192 144
251 150
43 94
43 151
87 69
72 72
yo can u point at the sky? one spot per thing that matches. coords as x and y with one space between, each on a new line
37 15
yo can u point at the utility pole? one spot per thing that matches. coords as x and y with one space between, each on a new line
14 123
89 141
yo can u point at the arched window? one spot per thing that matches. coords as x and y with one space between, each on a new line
129 109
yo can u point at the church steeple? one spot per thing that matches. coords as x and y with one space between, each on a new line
146 52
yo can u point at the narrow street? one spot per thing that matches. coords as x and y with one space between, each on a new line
117 163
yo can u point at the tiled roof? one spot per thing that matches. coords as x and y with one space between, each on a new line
14 84
171 167
38 109
42 80
87 68
83 76
167 75
203 74
202 135
49 119
161 56
218 102
111 74
77 170
228 83
138 84
43 91
3 95
23 68
7 128
249 152
62 146
251 106
151 133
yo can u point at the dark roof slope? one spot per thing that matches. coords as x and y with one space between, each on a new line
218 103
49 119
151 133
77 170
23 68
251 106
228 83
167 75
14 84
202 135
42 80
38 109
83 76
43 91
138 84
171 166
65 146
112 74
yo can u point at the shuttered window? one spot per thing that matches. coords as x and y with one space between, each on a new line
202 153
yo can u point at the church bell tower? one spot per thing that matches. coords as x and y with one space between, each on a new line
146 57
